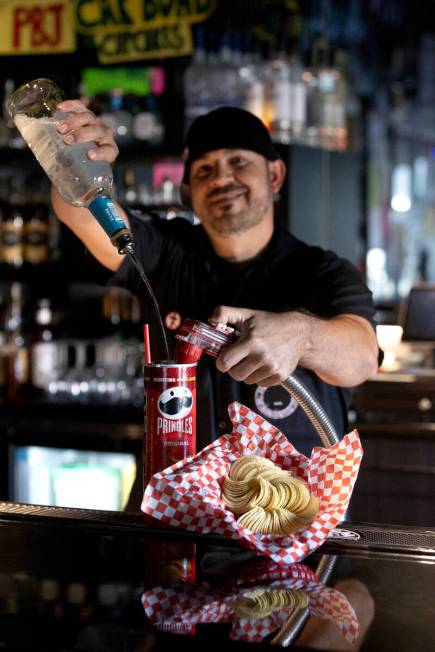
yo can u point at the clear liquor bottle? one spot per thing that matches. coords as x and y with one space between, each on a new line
81 181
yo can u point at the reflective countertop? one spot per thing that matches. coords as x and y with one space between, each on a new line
82 580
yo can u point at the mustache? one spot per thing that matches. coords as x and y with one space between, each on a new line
175 405
216 192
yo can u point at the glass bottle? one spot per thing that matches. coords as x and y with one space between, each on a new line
79 180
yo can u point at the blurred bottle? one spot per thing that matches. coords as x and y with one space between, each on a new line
285 97
224 74
196 83
36 236
129 190
17 362
4 127
118 118
326 123
12 226
15 139
3 211
252 82
332 100
148 125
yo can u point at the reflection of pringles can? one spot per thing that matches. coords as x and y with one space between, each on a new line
170 415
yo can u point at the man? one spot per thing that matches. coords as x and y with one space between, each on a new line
299 309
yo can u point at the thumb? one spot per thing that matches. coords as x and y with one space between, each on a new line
230 315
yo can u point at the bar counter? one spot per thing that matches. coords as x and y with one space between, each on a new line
73 579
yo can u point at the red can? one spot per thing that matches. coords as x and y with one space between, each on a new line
170 415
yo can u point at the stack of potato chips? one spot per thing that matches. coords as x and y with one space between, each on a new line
267 499
262 602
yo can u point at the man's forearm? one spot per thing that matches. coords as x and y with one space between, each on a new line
341 350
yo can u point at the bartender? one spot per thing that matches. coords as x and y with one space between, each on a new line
299 309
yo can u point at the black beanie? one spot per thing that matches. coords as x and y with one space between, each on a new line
226 128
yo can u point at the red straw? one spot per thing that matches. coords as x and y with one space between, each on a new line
146 343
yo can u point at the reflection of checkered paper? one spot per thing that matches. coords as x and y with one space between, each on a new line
184 605
188 494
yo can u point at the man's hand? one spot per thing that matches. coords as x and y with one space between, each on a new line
83 126
341 350
269 347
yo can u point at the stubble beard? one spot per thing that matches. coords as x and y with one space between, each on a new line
231 222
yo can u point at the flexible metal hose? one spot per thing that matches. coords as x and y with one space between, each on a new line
294 623
313 410
326 431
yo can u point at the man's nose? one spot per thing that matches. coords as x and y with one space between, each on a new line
222 173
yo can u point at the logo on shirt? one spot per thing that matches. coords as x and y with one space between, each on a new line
173 320
274 402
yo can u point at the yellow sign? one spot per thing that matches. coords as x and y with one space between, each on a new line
98 16
128 30
37 26
137 44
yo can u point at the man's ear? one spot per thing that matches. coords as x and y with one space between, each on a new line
277 171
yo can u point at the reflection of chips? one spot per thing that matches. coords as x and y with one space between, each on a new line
268 499
262 602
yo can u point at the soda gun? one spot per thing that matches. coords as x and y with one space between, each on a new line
195 338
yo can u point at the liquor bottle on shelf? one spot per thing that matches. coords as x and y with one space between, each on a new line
148 125
36 231
129 190
224 74
118 118
3 210
327 126
252 78
16 350
15 139
196 83
12 226
285 105
4 127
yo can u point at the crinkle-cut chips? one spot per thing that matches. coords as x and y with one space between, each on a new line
266 498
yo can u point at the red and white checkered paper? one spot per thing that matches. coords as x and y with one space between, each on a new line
179 607
187 494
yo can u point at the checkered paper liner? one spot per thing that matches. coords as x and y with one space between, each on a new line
179 607
187 494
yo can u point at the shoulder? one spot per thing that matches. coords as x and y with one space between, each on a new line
178 228
309 258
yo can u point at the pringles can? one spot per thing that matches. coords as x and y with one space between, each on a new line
170 415
169 436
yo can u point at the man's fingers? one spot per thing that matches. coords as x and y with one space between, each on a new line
231 355
269 381
103 153
230 315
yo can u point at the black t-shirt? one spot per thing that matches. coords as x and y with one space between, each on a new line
188 278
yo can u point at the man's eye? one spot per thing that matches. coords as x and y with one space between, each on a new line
203 171
238 161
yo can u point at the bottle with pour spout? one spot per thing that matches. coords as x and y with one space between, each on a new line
79 180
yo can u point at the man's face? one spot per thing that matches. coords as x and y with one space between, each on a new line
231 190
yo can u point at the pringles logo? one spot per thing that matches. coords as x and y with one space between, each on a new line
175 405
